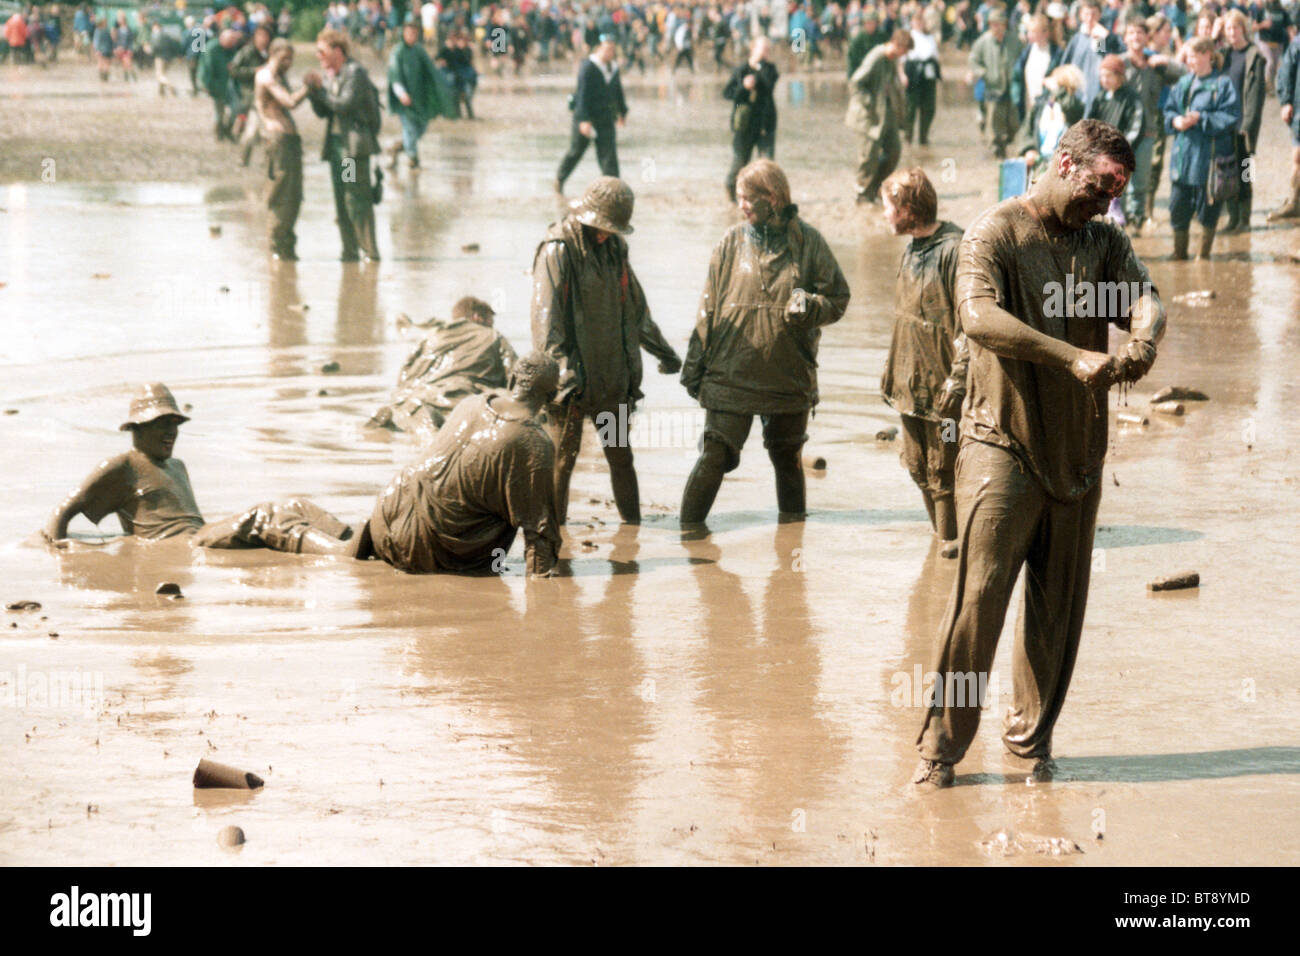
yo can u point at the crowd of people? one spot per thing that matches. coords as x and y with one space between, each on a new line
1002 404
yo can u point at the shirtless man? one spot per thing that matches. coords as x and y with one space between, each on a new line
150 492
273 102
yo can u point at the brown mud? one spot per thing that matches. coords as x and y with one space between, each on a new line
746 698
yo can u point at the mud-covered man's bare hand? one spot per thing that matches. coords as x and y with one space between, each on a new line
1095 369
1135 359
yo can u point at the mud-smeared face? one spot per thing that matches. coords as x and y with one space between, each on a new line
1090 189
755 207
158 437
895 216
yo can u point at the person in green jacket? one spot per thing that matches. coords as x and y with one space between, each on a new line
412 92
214 76
773 284
876 111
992 59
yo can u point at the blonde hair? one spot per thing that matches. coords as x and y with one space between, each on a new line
766 177
1068 77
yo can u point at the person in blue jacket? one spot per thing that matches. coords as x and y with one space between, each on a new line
1203 112
1288 98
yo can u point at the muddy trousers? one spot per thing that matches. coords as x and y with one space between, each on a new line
877 158
296 526
720 446
284 198
353 201
743 144
224 118
1006 520
566 431
606 151
999 123
929 453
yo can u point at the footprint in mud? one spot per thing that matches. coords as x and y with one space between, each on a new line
1006 842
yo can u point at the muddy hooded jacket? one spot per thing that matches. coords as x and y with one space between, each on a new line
456 359
747 355
486 475
590 314
927 348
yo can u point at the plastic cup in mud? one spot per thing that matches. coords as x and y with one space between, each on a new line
212 775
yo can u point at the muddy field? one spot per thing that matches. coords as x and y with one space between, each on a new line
741 699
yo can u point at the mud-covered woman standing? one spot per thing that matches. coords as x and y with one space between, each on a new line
773 284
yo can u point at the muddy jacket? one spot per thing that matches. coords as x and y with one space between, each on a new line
876 101
590 315
753 112
456 359
927 348
485 476
351 104
1122 110
747 355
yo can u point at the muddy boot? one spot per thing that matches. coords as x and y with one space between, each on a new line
703 484
1291 208
1181 238
1243 210
932 775
1207 243
1234 217
791 495
945 518
394 151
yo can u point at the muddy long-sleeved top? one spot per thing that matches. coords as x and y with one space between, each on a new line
928 348
747 354
1042 414
455 359
485 476
590 314
876 101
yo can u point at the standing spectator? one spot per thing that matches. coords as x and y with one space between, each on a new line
868 37
1120 106
103 44
347 98
1271 24
214 76
683 42
124 47
1058 108
82 28
876 111
753 110
1036 62
1246 67
1149 77
250 58
1204 112
412 93
921 66
15 35
1288 96
773 285
1088 46
993 60
164 48
598 105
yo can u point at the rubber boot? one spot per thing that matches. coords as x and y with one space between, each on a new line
622 476
1243 210
945 518
1234 217
1181 238
791 496
703 484
1207 243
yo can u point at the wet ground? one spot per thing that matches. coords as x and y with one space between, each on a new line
742 699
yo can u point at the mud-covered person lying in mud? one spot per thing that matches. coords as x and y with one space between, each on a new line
488 474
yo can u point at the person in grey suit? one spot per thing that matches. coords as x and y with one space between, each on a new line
348 99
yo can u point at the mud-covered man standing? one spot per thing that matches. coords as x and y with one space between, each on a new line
1033 437
273 102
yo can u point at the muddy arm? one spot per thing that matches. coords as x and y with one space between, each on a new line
650 337
1147 328
997 330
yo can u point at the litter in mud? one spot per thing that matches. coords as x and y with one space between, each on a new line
210 775
23 606
1176 582
169 589
887 434
1178 393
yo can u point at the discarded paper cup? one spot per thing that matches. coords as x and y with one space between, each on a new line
1169 408
1131 418
212 775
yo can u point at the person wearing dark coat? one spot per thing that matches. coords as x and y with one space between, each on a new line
1117 103
753 110
1046 56
598 105
350 102
1247 68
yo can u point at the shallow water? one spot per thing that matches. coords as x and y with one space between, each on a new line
739 699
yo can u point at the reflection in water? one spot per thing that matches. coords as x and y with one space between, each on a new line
286 321
359 321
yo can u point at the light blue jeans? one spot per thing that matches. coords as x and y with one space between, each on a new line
412 129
